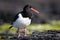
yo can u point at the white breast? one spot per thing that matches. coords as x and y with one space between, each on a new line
22 22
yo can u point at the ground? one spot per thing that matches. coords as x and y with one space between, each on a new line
53 25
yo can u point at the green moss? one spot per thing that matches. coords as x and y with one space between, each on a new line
54 25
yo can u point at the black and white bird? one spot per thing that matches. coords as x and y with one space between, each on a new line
23 19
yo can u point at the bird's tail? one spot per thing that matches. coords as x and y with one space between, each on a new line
10 27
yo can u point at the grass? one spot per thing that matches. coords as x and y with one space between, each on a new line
54 25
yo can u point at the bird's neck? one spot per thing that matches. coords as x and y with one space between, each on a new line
24 11
26 14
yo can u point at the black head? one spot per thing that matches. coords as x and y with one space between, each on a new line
27 7
27 11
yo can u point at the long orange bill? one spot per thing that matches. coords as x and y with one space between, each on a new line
35 10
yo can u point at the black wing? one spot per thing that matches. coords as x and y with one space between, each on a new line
16 17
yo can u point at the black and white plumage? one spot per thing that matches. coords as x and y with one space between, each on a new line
23 18
21 21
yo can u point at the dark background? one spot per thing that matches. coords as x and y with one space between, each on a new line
49 9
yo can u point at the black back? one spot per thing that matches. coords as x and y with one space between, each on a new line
16 17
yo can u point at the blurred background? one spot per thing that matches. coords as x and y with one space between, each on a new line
49 14
49 9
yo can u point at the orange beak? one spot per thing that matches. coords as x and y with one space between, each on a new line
34 10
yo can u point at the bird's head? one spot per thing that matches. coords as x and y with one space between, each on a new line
29 7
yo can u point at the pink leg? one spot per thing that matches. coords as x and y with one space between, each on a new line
19 32
25 30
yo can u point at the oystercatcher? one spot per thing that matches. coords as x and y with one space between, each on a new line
23 19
